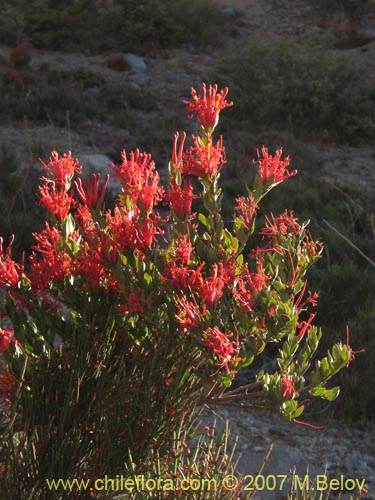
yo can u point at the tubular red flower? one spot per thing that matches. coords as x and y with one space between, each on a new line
183 251
52 264
273 166
247 284
55 199
352 353
311 299
211 288
7 338
208 104
139 179
10 271
182 277
285 224
305 326
289 391
133 303
177 155
204 159
181 198
223 348
88 191
62 168
246 209
188 314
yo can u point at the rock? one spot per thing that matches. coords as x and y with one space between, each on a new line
136 63
90 91
139 78
229 11
367 34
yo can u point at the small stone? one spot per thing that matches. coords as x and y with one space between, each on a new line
91 91
229 11
136 63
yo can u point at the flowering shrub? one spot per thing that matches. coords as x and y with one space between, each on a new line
124 320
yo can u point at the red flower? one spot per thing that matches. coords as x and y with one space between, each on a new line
273 166
88 191
223 348
352 353
189 314
289 391
311 299
305 326
181 198
55 199
211 288
53 263
204 159
246 209
182 277
121 226
146 231
10 271
139 179
62 168
247 284
285 224
176 160
6 338
208 105
132 304
183 250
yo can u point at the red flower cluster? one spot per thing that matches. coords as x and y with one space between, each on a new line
247 284
221 345
285 224
289 390
139 178
10 272
246 208
48 263
204 159
208 105
7 338
88 191
273 167
53 192
62 169
181 198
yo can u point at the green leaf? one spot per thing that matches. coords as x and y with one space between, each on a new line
322 392
68 226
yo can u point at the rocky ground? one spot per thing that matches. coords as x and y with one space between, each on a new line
337 450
